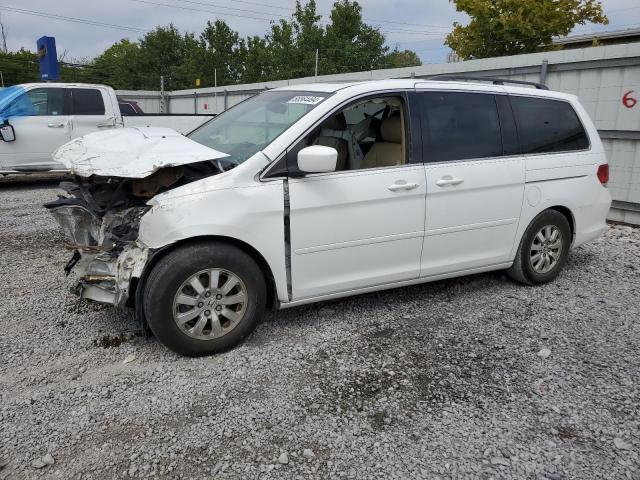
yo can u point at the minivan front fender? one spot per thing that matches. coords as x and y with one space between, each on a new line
253 215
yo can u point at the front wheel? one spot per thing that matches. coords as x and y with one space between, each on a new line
543 250
204 298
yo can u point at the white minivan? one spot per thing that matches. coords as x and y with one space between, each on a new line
314 192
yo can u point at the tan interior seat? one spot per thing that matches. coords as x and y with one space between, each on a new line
390 150
335 124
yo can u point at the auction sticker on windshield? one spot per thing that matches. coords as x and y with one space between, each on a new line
306 99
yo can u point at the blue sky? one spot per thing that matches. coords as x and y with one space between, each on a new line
416 24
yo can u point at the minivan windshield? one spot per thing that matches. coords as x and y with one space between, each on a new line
251 125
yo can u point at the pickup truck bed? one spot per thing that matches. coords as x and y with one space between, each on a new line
178 122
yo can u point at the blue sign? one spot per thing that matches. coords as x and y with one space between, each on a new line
48 58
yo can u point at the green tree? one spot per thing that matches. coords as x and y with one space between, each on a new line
257 60
310 36
19 67
283 54
287 50
397 59
511 27
165 51
350 44
118 66
222 51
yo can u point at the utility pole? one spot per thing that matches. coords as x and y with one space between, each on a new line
162 101
3 37
316 74
215 91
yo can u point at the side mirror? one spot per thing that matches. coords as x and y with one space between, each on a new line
317 159
7 132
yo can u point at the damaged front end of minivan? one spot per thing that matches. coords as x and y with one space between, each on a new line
100 218
116 173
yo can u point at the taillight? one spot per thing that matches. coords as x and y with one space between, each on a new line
603 174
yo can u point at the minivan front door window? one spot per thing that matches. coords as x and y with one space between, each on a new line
367 134
251 125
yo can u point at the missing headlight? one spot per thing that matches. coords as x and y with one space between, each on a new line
80 226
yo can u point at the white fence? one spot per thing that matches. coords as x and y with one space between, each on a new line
606 79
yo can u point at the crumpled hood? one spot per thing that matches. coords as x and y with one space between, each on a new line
134 152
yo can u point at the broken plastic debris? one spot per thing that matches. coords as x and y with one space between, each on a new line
129 359
544 353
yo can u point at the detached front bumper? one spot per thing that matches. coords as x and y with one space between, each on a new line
105 278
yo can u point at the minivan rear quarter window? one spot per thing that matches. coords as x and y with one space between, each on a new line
459 126
546 126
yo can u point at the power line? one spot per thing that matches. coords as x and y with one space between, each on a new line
195 2
291 10
193 9
208 4
69 19
406 23
620 9
85 21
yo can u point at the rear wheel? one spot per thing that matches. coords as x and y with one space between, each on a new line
204 298
543 250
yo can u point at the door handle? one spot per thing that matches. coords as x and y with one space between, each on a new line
56 125
449 181
402 186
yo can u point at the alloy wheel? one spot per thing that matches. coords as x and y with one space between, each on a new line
210 303
546 249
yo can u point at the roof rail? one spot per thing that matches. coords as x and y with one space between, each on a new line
495 81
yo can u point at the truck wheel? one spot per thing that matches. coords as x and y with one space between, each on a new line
204 298
543 250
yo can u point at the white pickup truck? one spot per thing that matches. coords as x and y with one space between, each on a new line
37 118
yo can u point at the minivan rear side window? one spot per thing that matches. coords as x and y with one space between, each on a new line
546 125
87 101
458 126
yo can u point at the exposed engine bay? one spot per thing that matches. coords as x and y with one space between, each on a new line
100 214
116 173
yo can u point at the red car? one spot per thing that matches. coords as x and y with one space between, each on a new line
129 107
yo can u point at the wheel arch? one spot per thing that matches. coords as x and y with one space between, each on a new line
137 284
568 214
518 271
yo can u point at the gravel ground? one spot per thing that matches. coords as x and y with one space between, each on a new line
444 380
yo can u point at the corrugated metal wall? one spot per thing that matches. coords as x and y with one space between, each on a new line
148 100
600 76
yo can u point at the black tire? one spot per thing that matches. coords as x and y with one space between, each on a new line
174 269
522 269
